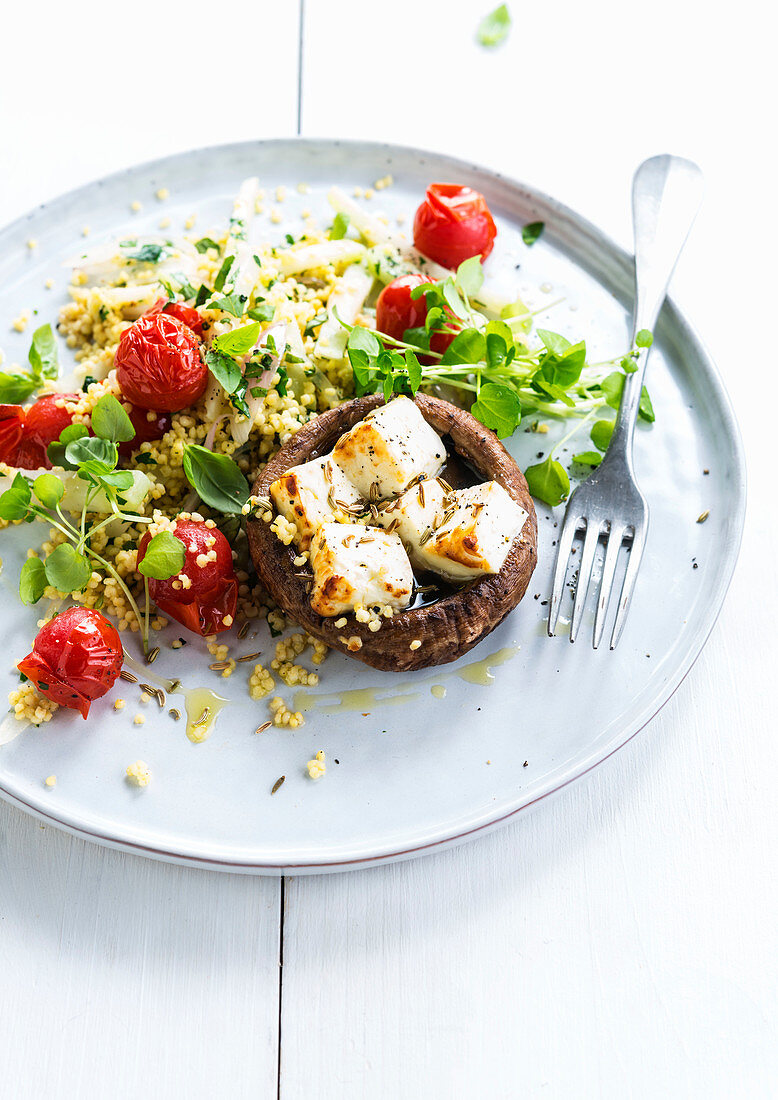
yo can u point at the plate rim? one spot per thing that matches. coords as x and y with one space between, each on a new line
605 246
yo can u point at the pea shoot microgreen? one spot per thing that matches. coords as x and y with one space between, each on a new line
494 27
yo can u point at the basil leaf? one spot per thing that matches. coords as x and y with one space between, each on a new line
67 570
224 271
498 407
43 352
15 388
225 370
494 27
263 311
203 294
56 451
588 458
48 489
216 479
164 557
147 254
601 433
548 481
231 303
204 244
470 277
237 342
32 581
339 227
110 421
92 455
15 502
644 338
531 232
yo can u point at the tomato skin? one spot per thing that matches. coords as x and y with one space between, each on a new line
158 364
396 311
146 431
213 592
75 658
11 429
44 422
453 224
187 315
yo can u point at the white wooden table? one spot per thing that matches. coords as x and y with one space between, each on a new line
620 940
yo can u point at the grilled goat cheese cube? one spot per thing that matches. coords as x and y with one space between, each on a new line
413 515
313 493
388 449
476 537
354 565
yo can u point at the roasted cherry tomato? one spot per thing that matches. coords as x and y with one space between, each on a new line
202 597
75 658
453 224
148 425
44 422
158 364
188 315
11 429
396 311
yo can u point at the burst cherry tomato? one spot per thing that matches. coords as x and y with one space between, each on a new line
187 315
201 597
75 658
146 430
453 224
158 364
396 311
11 428
44 422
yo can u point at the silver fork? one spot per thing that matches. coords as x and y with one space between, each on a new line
666 194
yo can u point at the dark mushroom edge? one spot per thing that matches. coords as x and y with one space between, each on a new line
452 625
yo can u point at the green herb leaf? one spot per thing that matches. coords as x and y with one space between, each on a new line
494 27
339 227
498 408
263 311
110 421
517 309
48 489
239 341
531 232
92 456
470 277
588 458
231 303
644 338
67 570
601 433
224 369
216 479
224 271
553 341
548 481
414 370
16 388
612 387
359 338
469 346
121 480
645 408
147 254
56 451
204 244
203 294
43 352
15 502
165 556
32 581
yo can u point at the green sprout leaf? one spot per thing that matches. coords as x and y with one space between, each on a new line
531 232
494 27
414 370
15 502
110 421
164 557
147 254
204 244
67 570
588 458
215 478
645 408
470 277
239 341
601 433
48 489
92 456
43 352
360 339
498 408
644 338
32 581
339 227
56 451
548 481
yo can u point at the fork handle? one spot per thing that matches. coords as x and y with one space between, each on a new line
666 195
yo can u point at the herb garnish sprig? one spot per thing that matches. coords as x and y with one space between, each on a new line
92 459
44 363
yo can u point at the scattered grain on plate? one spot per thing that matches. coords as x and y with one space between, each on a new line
50 781
138 773
32 243
415 644
139 719
119 704
136 206
162 193
317 766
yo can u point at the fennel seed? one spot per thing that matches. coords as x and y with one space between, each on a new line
128 676
277 784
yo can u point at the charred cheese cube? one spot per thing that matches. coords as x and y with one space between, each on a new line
413 515
313 493
354 565
476 536
386 451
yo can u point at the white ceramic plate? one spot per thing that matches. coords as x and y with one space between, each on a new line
408 771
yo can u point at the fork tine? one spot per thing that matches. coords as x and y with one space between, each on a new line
566 536
612 547
584 575
627 588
